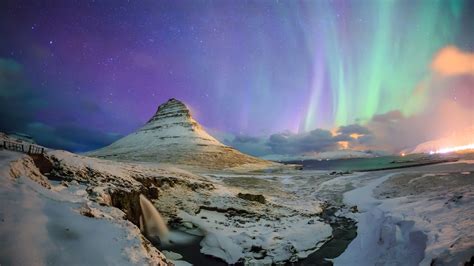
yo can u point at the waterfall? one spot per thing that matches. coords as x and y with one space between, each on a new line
151 222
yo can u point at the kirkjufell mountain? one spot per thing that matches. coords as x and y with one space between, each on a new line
173 136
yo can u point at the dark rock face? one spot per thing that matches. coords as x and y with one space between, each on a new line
172 108
252 197
127 201
42 163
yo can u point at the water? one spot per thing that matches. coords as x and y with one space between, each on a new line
190 248
369 164
151 221
187 245
343 233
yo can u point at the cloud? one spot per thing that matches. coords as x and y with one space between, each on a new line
353 129
69 137
248 144
313 141
395 132
356 136
451 61
18 101
20 104
288 143
246 139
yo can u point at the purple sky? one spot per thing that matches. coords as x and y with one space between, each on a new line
79 74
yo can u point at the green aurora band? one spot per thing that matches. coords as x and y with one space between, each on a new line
370 58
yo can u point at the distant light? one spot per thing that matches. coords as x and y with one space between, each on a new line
454 149
402 154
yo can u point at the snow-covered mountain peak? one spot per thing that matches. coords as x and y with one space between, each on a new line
173 136
171 108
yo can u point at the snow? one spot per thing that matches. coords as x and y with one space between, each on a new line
171 125
434 225
37 228
126 171
173 136
407 216
291 236
380 238
286 227
42 226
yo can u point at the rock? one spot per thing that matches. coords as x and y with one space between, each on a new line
127 201
153 192
86 211
354 209
27 167
454 199
252 197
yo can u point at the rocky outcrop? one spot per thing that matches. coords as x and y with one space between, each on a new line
252 197
26 167
173 136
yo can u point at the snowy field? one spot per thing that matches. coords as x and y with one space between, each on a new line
45 227
412 216
418 216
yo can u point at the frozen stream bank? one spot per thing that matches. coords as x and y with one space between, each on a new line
421 216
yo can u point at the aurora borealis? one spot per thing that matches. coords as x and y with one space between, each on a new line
83 73
372 56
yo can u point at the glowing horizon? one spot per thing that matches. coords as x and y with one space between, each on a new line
454 149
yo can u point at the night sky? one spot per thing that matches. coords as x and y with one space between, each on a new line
79 74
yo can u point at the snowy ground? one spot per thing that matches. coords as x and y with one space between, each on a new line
418 216
40 226
405 216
